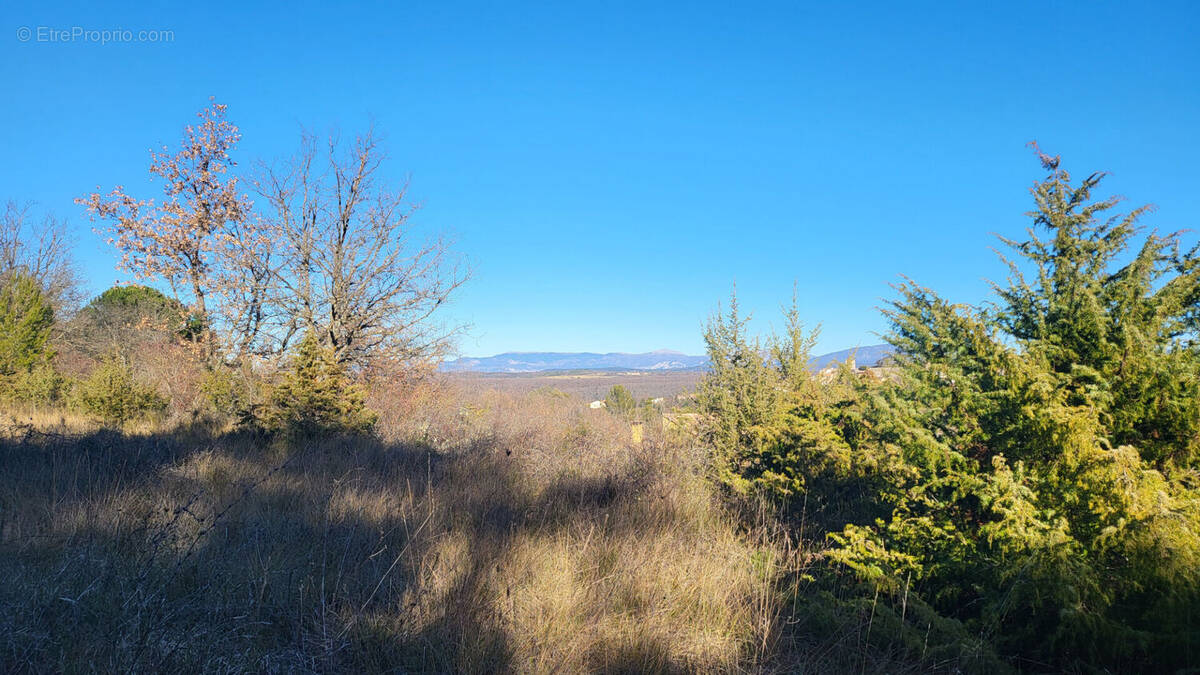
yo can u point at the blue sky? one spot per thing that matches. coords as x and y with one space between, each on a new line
611 170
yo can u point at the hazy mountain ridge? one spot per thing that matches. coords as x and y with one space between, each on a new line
868 355
663 359
531 362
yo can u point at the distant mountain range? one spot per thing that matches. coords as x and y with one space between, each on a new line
663 359
532 362
863 356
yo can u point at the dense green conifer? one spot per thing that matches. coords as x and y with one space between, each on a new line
1029 467
316 394
26 318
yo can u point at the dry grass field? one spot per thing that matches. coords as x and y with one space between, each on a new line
476 533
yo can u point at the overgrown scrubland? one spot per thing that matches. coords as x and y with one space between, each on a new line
474 532
264 473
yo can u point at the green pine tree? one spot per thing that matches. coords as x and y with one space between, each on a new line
1027 471
619 401
1042 482
26 318
746 394
316 395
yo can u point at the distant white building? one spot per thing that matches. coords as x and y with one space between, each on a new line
596 405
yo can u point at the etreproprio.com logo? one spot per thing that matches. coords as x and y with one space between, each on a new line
100 36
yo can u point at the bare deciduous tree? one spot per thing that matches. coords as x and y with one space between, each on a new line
41 250
333 256
243 286
346 266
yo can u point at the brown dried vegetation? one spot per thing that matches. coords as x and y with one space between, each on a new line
477 532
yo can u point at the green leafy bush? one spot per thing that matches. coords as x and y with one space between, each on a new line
112 394
315 395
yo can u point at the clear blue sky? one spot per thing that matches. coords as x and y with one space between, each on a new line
611 170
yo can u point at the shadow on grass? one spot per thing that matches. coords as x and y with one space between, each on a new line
201 552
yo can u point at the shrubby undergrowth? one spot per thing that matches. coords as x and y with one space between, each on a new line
113 394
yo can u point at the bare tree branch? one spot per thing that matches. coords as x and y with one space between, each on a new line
43 251
346 267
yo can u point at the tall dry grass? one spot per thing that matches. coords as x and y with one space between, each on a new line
478 532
